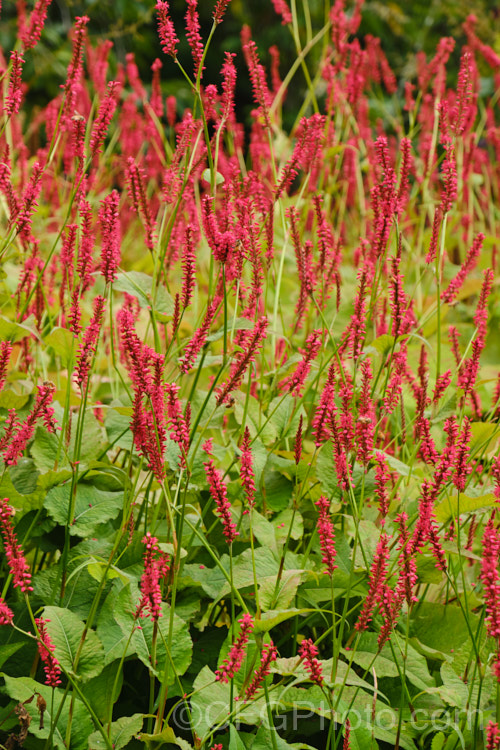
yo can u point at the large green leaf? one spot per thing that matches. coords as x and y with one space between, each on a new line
65 630
102 691
23 688
463 503
140 285
122 731
325 469
92 508
176 660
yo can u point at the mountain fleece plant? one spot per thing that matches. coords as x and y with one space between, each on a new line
250 396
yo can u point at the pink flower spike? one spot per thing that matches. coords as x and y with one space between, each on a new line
308 652
269 654
109 220
492 736
15 94
232 663
166 30
326 533
218 492
219 10
104 117
6 614
246 471
155 568
32 33
16 561
46 650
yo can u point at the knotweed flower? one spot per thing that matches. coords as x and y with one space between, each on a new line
6 614
294 384
246 469
88 346
308 653
252 342
188 268
194 346
377 578
109 220
29 202
382 479
467 266
282 9
269 654
166 30
232 663
297 449
46 650
104 117
176 422
32 33
5 352
41 411
139 198
326 533
155 568
218 492
14 94
193 35
492 736
16 561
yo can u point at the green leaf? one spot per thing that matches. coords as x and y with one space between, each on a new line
463 503
165 737
325 469
483 436
122 731
92 508
99 690
276 489
13 332
44 449
274 617
118 427
23 688
140 285
285 593
65 630
7 650
383 344
438 741
234 741
180 655
24 476
11 400
282 414
264 531
62 342
442 627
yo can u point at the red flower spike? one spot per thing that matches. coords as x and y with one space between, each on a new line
14 94
246 469
232 663
6 614
155 568
166 30
218 492
46 650
308 653
326 533
16 561
269 654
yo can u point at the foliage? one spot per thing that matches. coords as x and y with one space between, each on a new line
249 395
